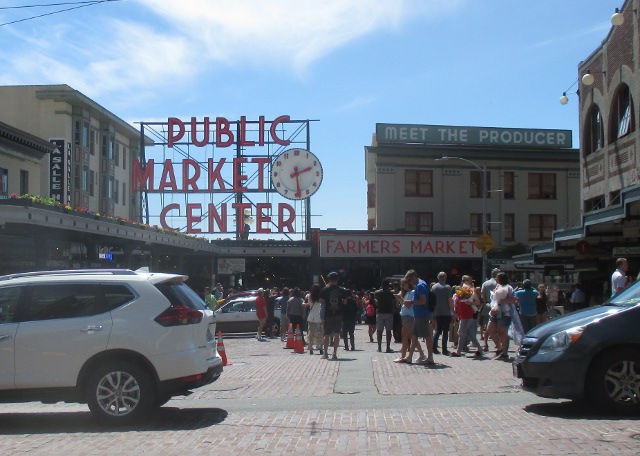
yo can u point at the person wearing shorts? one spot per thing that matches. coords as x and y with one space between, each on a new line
422 319
332 298
384 316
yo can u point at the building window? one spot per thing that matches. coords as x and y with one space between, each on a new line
124 157
509 224
92 182
622 119
117 157
112 148
541 226
542 186
85 134
418 182
475 224
77 132
509 185
110 189
594 204
418 221
371 195
24 182
593 131
4 183
92 141
76 177
85 179
116 187
475 182
124 193
105 146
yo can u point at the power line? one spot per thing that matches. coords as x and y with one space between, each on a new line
81 5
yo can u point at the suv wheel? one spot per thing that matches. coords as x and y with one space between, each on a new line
614 381
275 328
119 392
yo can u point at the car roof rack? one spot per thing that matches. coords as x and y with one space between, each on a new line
60 272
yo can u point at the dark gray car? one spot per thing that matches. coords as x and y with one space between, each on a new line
591 354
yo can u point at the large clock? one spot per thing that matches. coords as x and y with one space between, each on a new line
296 174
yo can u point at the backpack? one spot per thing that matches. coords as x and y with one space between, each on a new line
370 311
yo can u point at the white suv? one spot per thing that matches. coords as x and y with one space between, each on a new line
123 342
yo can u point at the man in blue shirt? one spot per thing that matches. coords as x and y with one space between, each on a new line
527 300
422 319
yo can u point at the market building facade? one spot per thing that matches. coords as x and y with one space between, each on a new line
609 226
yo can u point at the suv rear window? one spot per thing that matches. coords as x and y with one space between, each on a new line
69 300
181 295
8 302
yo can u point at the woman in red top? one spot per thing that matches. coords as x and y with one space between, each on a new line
261 312
467 303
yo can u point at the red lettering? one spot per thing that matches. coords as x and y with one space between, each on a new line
142 179
168 179
215 174
163 215
174 137
375 247
363 246
396 246
261 218
462 246
339 247
239 178
439 247
193 218
416 246
194 132
242 139
261 131
220 219
450 248
329 245
384 247
282 222
428 248
351 246
223 129
190 181
240 208
274 126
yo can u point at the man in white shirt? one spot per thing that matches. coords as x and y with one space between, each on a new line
619 281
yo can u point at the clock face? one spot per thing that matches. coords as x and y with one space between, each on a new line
296 174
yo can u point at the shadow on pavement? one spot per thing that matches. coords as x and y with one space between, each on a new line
164 419
570 410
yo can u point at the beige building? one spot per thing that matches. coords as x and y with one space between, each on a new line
22 159
91 165
532 182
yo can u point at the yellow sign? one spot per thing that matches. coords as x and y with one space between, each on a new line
485 243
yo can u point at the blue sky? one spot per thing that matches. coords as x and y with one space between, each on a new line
347 63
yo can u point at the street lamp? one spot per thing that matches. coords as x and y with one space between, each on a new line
483 169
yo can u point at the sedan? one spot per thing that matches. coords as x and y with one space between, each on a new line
591 354
239 315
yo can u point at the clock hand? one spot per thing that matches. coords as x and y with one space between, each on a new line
296 173
298 192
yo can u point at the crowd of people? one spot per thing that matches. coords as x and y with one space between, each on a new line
426 319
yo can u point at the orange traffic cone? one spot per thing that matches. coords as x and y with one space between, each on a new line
290 340
221 350
299 342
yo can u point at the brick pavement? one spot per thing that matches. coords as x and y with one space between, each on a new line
210 421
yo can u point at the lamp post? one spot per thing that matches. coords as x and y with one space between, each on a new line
482 169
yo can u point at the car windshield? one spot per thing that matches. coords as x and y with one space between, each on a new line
628 297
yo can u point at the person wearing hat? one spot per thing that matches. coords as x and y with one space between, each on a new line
527 299
261 313
332 298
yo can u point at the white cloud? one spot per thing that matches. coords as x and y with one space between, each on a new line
187 38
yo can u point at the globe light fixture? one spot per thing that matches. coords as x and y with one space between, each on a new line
564 99
588 79
617 18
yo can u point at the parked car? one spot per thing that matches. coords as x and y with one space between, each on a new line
123 342
590 354
239 315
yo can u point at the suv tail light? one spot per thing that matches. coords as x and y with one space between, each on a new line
178 316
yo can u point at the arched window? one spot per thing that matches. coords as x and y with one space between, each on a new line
622 121
593 131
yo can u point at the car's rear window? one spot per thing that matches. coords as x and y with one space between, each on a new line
181 295
69 300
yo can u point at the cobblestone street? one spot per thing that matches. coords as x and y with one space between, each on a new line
272 401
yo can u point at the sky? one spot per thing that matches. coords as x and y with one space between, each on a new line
348 64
